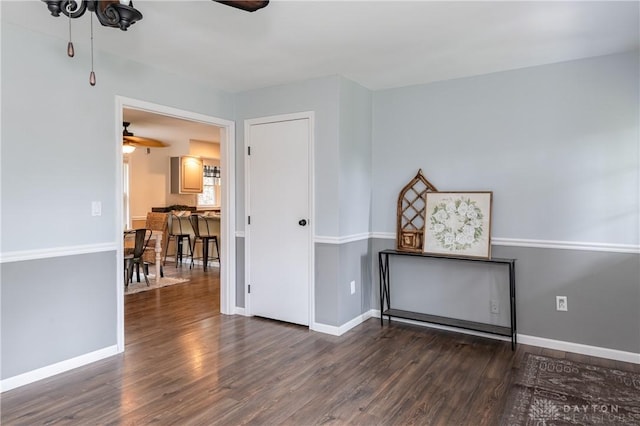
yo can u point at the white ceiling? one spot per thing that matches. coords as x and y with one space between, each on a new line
379 44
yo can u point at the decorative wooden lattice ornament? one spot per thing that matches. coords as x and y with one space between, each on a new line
411 213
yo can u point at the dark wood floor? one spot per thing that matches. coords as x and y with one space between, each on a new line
185 364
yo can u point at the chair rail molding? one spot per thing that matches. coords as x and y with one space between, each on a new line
341 240
21 255
550 244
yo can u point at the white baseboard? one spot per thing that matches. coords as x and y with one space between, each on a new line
339 331
57 368
240 311
580 348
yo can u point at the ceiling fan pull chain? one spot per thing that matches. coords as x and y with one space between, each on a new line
70 49
92 75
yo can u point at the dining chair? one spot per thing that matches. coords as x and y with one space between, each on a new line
127 252
158 222
135 259
179 230
202 234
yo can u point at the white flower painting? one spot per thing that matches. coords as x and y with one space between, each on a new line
458 223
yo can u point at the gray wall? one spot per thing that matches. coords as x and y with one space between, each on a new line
355 152
557 144
336 266
355 159
56 309
602 289
355 258
327 277
57 156
240 272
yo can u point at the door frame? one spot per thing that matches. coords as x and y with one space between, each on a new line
228 201
310 115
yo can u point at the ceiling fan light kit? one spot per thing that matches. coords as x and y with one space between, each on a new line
130 141
128 147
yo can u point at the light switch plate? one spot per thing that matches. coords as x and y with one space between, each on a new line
96 208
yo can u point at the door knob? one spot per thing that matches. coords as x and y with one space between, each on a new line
302 222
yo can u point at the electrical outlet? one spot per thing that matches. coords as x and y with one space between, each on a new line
561 303
494 306
353 287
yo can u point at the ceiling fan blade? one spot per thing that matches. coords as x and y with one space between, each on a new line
150 143
248 5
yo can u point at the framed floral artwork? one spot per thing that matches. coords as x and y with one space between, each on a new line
458 223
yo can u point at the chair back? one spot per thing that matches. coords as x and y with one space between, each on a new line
143 235
179 226
201 226
159 222
195 224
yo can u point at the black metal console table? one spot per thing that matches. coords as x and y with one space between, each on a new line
385 296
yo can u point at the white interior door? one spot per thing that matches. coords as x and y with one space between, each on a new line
279 234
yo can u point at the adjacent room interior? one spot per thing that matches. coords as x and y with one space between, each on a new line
158 151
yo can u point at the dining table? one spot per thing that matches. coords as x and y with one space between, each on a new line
156 238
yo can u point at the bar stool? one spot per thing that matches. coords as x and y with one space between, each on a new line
180 234
205 237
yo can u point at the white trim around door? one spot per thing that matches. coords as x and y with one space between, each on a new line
228 205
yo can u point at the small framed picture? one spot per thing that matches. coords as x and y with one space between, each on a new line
458 223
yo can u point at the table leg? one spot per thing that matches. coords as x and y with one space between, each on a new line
158 251
179 250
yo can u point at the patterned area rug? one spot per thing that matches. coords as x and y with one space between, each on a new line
552 391
137 287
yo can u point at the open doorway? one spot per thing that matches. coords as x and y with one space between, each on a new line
187 134
149 178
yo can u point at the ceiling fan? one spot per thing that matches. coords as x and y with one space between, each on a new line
130 142
248 5
121 13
